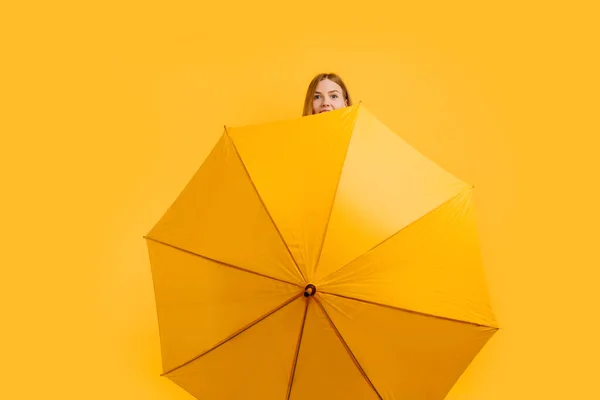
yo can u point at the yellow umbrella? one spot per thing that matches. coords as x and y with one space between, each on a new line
320 257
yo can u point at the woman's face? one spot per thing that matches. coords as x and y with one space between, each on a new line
328 97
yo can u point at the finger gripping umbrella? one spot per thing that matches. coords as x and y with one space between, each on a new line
321 257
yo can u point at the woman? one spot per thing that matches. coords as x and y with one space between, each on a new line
326 92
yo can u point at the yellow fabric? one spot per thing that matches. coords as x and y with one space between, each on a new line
336 200
325 369
219 215
406 355
199 302
385 185
254 365
299 191
431 266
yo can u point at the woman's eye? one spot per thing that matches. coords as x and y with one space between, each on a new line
317 96
334 96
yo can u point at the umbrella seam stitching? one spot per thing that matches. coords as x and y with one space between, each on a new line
219 262
264 205
237 333
347 348
408 311
337 187
297 355
395 234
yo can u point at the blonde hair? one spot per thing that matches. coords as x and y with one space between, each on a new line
312 87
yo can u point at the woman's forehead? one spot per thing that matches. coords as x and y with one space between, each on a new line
328 85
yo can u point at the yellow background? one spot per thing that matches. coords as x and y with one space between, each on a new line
108 109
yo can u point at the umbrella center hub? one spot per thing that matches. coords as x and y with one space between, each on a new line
310 290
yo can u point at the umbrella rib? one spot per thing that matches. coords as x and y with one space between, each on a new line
339 335
235 334
407 310
220 262
395 233
266 209
337 186
293 373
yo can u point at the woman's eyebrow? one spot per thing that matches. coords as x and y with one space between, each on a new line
331 91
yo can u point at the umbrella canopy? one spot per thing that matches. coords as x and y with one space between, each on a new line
321 257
